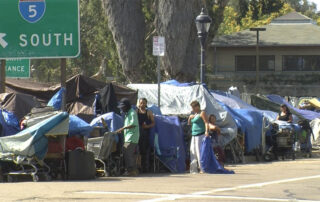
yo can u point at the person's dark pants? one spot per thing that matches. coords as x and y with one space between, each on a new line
130 152
144 148
271 141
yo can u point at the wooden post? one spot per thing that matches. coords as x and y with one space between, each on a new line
63 64
257 64
257 30
3 76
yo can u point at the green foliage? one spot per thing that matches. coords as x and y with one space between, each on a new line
94 33
230 23
45 70
265 19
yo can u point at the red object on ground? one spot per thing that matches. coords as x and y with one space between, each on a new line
74 143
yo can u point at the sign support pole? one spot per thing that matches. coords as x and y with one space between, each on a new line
63 64
3 76
159 78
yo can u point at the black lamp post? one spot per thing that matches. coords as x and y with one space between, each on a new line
203 22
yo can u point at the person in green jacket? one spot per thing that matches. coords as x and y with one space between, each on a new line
199 122
131 137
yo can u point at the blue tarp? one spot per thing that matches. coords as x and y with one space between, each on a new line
9 123
155 110
113 120
56 100
250 123
78 126
31 141
167 137
248 118
307 114
236 103
177 83
208 160
251 126
231 100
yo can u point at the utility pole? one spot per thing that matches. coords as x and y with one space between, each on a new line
3 76
63 65
257 30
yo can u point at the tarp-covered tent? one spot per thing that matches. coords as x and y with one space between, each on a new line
250 123
301 113
32 141
232 101
168 141
108 100
19 104
176 101
113 120
236 103
125 92
264 103
42 91
80 94
177 83
78 126
248 118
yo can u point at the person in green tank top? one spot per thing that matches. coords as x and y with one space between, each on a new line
199 130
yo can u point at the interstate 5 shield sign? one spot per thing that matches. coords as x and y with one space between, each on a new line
32 10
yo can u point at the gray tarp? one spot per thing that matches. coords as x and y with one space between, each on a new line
176 101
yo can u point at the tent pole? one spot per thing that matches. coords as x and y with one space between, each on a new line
63 64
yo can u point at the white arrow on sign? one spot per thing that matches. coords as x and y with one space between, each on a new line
3 43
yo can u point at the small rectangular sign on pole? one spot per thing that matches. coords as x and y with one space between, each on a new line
159 46
18 68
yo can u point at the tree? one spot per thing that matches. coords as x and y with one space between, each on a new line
304 7
230 24
94 36
127 24
175 21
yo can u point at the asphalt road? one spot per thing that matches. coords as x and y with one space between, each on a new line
278 181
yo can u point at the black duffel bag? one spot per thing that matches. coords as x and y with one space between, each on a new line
80 165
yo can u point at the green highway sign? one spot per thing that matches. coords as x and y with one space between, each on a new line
18 68
39 29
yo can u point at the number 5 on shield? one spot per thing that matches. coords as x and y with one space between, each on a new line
32 11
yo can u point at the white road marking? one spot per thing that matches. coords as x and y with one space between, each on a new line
204 194
179 196
236 188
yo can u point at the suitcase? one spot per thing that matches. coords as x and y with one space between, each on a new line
80 165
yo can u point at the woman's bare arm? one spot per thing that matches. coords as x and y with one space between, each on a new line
205 120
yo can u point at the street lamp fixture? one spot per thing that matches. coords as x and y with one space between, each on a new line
203 22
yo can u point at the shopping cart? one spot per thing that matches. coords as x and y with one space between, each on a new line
108 158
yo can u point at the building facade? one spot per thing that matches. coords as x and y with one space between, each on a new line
289 58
